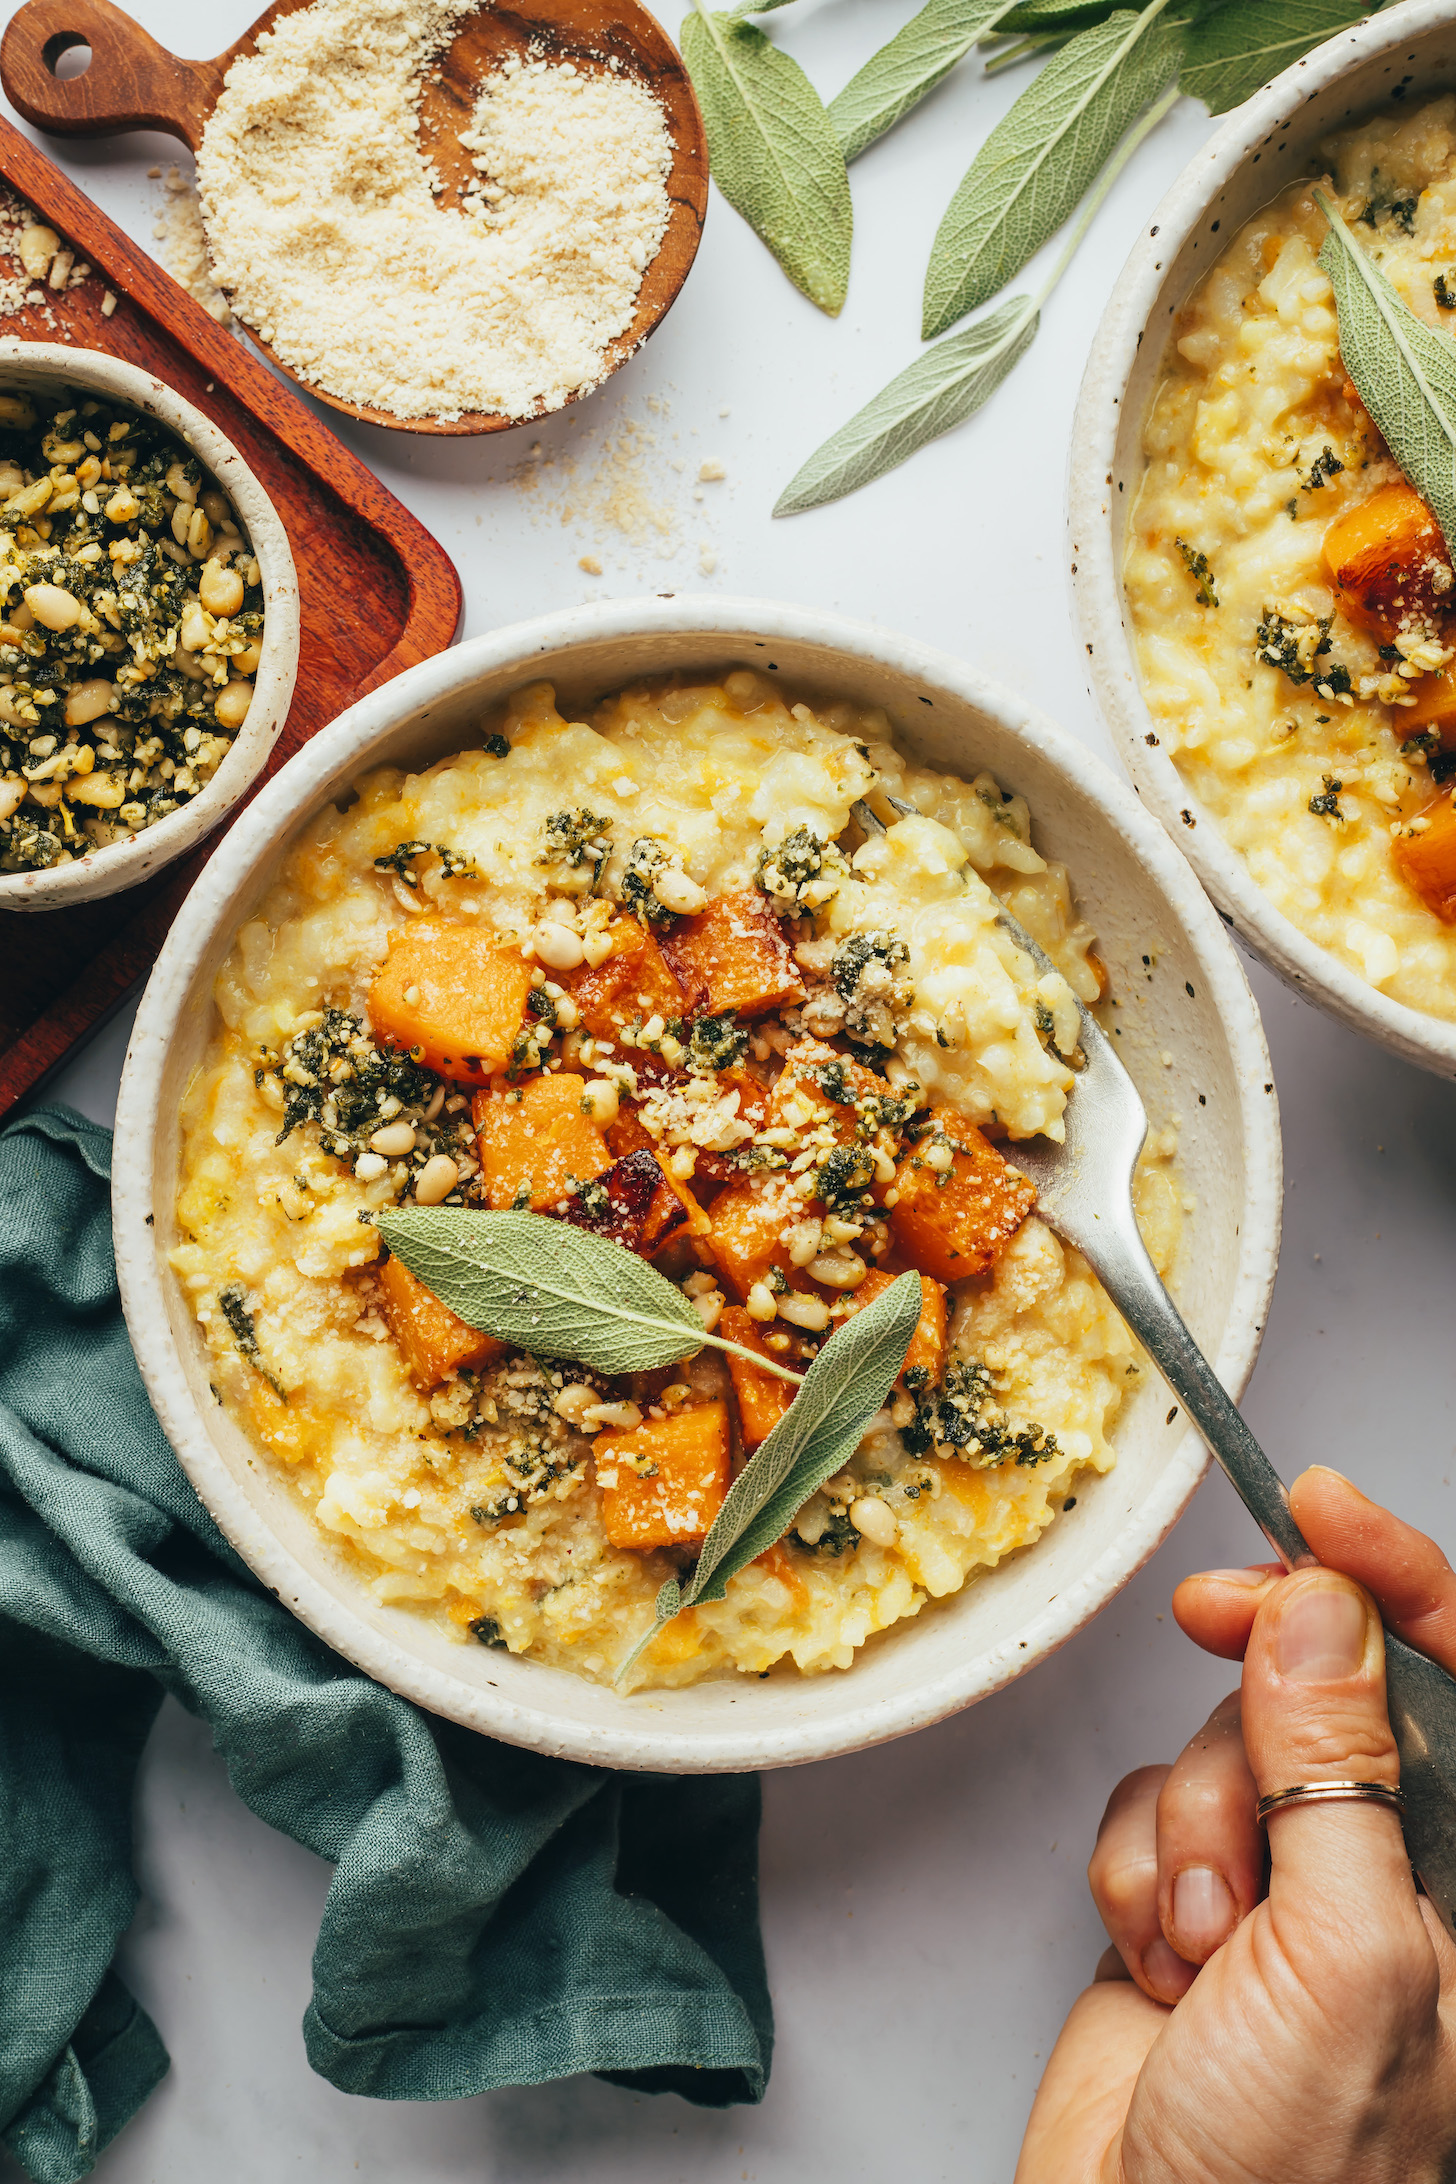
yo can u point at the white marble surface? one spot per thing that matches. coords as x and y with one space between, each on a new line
924 1906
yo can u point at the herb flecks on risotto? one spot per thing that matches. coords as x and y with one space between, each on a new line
644 975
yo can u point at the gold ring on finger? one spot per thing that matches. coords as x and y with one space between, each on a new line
1321 1793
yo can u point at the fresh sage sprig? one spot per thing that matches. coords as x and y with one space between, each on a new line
553 1289
916 59
1037 164
773 150
1404 371
950 381
821 1429
779 157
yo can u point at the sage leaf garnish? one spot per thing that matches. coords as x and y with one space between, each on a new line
823 1426
916 59
948 383
1231 51
553 1289
1040 159
1404 371
944 386
773 151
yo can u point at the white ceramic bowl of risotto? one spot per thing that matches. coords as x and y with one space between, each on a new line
1194 1008
1400 56
43 370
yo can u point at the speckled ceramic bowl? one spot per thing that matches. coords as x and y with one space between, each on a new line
1262 147
42 368
1142 900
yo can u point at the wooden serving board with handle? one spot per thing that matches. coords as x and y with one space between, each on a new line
377 594
134 83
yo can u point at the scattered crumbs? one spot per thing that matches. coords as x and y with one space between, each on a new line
725 411
154 174
707 561
590 563
108 304
711 471
180 231
1166 1059
612 485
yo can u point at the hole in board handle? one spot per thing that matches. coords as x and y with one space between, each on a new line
66 55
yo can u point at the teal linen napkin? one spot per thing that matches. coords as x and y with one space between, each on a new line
494 1918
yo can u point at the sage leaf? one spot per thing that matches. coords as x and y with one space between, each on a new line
823 1426
1232 51
773 151
1040 159
553 1289
1035 16
943 387
916 59
1404 370
550 1288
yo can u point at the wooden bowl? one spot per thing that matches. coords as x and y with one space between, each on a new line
134 83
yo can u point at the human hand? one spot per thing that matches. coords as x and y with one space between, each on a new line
1312 2038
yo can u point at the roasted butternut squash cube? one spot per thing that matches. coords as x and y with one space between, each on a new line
1388 562
452 996
745 1234
632 985
434 1340
641 1206
927 1345
1428 859
663 1482
532 1142
762 1397
733 958
1435 708
957 1221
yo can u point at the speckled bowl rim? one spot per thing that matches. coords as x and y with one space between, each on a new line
639 1740
124 864
1139 302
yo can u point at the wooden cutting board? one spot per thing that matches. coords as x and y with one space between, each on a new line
377 593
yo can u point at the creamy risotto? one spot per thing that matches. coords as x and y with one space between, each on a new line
646 973
1291 595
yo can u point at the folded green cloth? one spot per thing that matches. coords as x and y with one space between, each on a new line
494 1918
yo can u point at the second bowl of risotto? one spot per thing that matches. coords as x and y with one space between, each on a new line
674 923
1269 607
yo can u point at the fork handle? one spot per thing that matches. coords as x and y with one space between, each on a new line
1420 1695
1135 1287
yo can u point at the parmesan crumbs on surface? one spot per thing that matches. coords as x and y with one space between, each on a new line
322 216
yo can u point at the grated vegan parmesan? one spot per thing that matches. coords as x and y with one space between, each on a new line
325 231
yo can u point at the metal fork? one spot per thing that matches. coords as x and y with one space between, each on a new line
1084 1193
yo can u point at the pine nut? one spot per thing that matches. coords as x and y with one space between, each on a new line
369 1167
941 1158
196 627
709 1308
874 1520
622 1415
810 1313
558 945
87 701
220 589
54 608
698 1285
574 1402
596 948
395 1138
38 245
761 1302
600 1102
679 892
231 704
803 1240
436 1180
838 1269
